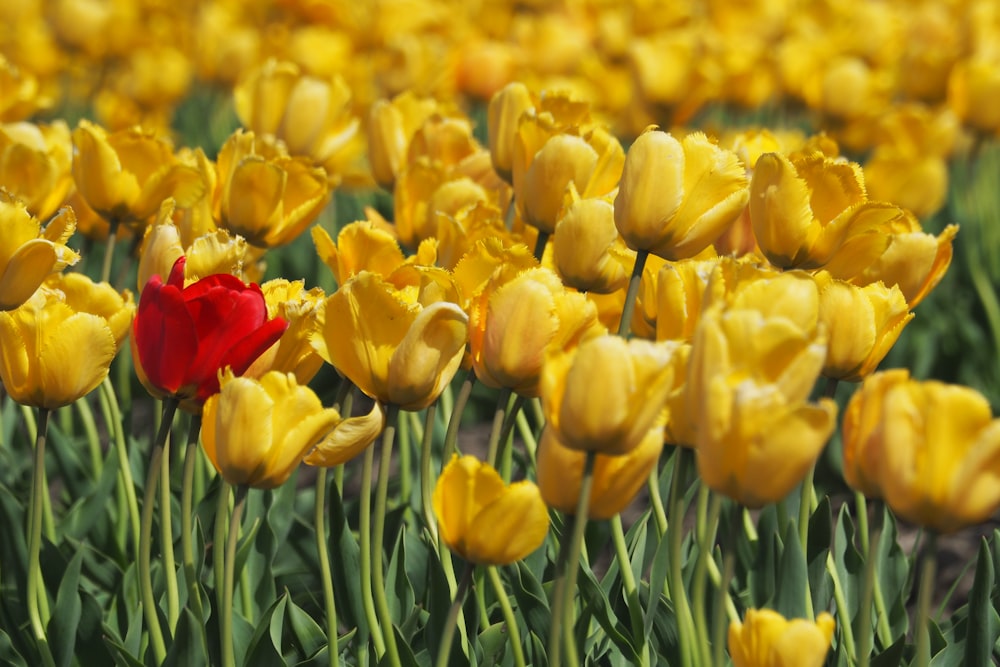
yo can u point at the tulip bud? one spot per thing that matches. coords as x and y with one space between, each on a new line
505 109
765 639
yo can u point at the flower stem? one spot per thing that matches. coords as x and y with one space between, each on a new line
498 418
513 632
378 533
112 415
625 324
427 474
149 608
187 528
219 540
35 540
226 618
540 243
563 617
109 249
450 623
629 587
451 436
675 533
707 526
324 569
167 540
922 624
365 544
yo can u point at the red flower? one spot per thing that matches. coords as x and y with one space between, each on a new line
183 336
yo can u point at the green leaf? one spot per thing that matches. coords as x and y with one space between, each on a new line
10 655
891 656
657 575
345 564
308 634
892 569
597 604
820 541
983 628
264 647
761 570
531 601
790 594
66 613
186 648
401 598
849 564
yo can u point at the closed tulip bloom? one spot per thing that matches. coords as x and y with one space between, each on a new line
184 335
391 125
29 253
930 449
862 323
513 324
587 250
765 638
35 164
485 521
749 378
616 479
392 347
606 394
125 175
503 115
677 197
972 86
57 346
680 290
264 195
256 432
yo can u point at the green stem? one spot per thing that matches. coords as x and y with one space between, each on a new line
167 540
450 623
226 618
498 418
805 503
219 540
324 569
109 249
530 444
48 520
427 474
563 616
718 620
923 620
513 632
35 540
403 435
656 501
675 533
451 436
187 526
708 522
112 415
378 533
365 544
625 324
93 439
149 608
540 243
629 587
840 599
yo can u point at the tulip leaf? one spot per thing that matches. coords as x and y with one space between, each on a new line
597 604
657 575
493 642
416 563
820 538
892 569
848 562
264 648
89 515
120 654
9 653
891 656
345 564
309 635
66 613
186 647
531 601
791 588
401 599
983 626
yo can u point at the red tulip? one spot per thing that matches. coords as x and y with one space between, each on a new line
183 336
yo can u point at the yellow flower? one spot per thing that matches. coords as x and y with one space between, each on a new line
351 437
29 253
972 89
863 324
256 432
513 323
483 520
126 175
617 479
503 116
677 197
361 246
293 353
765 638
391 125
264 195
606 394
35 164
587 250
58 346
392 347
748 382
930 449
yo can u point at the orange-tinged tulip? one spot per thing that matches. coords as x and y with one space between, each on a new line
930 449
256 432
388 344
29 253
58 345
482 519
617 479
606 394
862 325
677 197
749 378
765 638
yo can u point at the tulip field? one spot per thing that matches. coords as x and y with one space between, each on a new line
427 333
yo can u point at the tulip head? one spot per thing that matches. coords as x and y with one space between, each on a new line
765 638
256 432
35 164
588 252
503 115
482 519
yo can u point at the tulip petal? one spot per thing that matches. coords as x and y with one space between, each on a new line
165 336
428 356
28 267
73 359
509 528
351 437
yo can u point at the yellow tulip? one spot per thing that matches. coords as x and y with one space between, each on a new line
972 88
587 250
503 115
930 449
23 95
513 323
351 437
391 125
360 246
749 378
677 197
35 164
680 290
606 394
617 479
29 253
256 432
264 195
293 353
126 175
58 345
483 520
862 323
392 347
765 638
